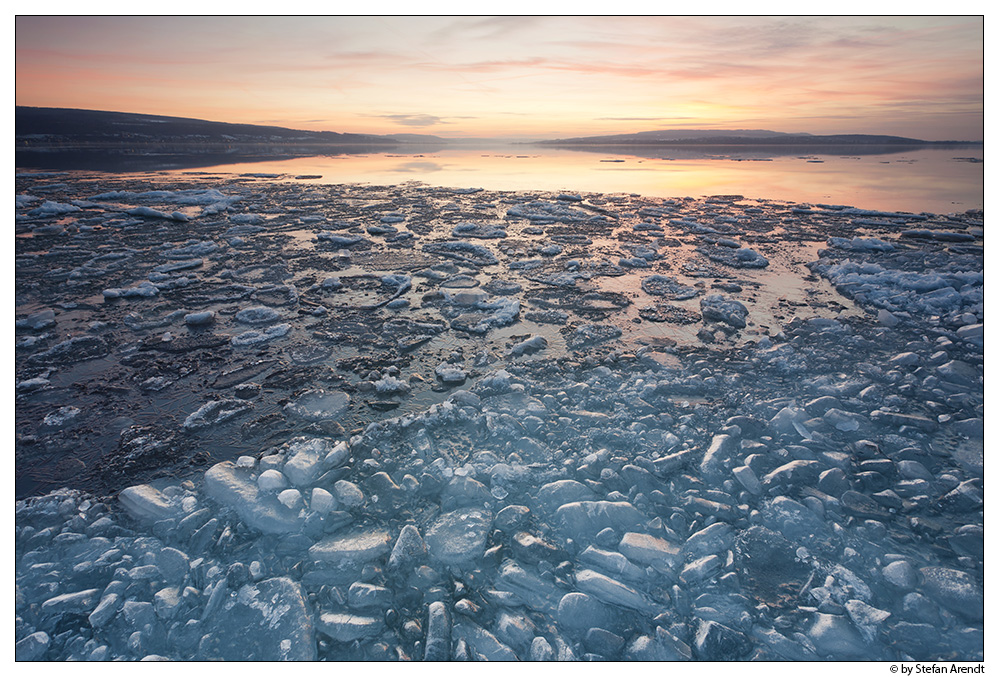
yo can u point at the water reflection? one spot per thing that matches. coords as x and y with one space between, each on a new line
418 167
934 179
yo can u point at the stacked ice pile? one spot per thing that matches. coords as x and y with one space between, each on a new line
597 515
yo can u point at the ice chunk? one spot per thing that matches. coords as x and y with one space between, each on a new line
668 287
499 313
466 252
960 373
50 208
740 257
173 564
270 620
215 413
233 487
547 212
409 548
258 315
663 647
589 334
272 481
578 611
865 617
167 602
199 319
450 373
367 596
581 520
649 550
790 421
712 539
479 230
459 537
860 244
835 637
147 503
955 590
482 642
495 383
718 454
438 643
149 212
144 289
61 417
614 592
541 650
717 308
191 249
390 385
291 499
319 405
81 602
529 345
748 479
560 492
32 647
612 562
348 493
337 455
716 642
535 592
40 320
106 609
32 384
887 319
512 517
516 630
701 569
972 333
253 336
322 501
355 548
304 458
464 491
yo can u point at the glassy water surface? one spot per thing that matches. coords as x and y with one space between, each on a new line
939 180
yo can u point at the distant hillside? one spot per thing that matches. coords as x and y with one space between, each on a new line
672 135
736 137
415 138
62 127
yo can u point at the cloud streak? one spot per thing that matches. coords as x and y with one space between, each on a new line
512 75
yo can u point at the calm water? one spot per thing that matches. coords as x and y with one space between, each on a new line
939 180
933 180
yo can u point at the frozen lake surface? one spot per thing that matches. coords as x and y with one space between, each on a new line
391 422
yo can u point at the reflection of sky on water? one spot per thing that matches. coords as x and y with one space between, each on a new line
928 179
414 167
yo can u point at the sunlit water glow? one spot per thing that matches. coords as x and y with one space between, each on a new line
938 180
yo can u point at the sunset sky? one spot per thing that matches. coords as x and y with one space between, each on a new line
523 77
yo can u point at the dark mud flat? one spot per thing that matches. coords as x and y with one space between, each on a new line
407 422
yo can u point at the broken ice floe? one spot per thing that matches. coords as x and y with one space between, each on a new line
319 405
807 487
466 252
730 253
479 230
662 285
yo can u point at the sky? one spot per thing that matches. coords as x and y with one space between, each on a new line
527 77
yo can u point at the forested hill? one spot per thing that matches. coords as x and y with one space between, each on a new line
63 126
